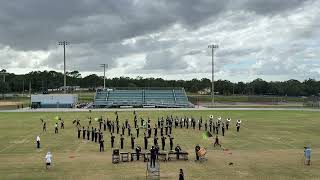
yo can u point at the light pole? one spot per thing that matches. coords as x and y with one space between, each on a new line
64 43
212 47
104 74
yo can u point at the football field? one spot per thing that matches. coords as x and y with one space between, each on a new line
268 146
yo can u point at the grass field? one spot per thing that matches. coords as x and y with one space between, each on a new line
269 146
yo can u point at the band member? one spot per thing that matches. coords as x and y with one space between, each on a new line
121 141
137 129
216 142
197 149
56 128
104 125
163 142
88 133
90 121
129 130
178 150
217 129
206 126
166 130
135 122
118 127
149 132
112 140
112 127
78 122
171 142
153 157
100 122
123 129
227 123
132 141
79 132
155 131
222 129
101 142
145 141
161 131
38 141
96 135
155 140
62 124
181 175
44 126
92 133
238 125
126 123
138 150
83 133
170 129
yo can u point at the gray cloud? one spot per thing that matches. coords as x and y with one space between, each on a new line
172 36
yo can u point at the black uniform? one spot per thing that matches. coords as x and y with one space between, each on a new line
163 142
56 128
92 133
88 133
132 141
222 128
112 140
44 127
145 142
101 145
177 149
79 132
83 133
197 148
155 141
153 155
121 139
171 143
62 124
137 132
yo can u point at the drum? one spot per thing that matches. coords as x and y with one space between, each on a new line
202 152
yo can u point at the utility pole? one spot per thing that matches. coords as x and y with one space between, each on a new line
64 44
212 47
104 74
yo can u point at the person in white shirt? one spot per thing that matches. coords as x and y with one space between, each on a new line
38 142
48 159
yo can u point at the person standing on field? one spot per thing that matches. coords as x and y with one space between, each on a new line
38 142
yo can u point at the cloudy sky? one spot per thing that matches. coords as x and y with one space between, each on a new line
269 39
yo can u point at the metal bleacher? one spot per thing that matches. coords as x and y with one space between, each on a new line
175 97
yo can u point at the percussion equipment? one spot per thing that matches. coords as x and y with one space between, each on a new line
202 152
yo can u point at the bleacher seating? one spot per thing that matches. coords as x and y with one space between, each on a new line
142 97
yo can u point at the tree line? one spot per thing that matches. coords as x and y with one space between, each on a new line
41 81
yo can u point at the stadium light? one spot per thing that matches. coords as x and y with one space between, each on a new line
104 74
64 44
212 47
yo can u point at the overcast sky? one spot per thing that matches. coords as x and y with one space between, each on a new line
269 39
